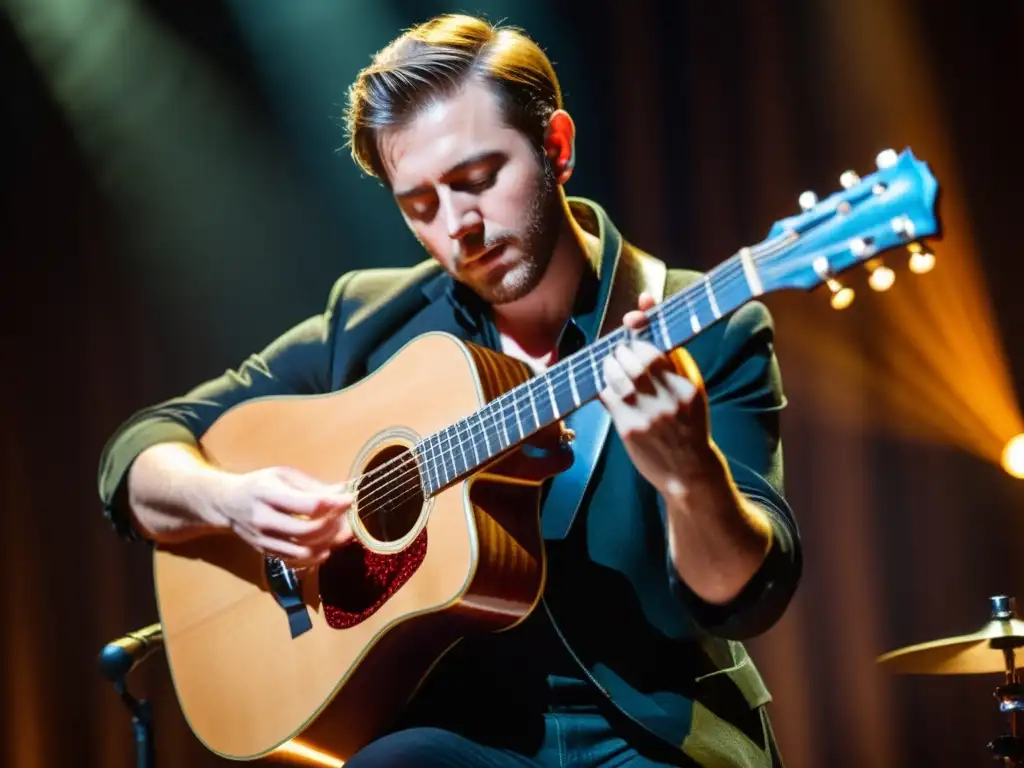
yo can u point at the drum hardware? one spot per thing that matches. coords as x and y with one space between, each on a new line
992 649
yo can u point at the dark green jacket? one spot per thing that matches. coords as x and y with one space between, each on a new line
668 660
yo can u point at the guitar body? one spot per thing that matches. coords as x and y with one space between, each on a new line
371 621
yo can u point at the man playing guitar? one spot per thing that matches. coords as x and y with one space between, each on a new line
677 543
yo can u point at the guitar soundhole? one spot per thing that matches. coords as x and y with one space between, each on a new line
356 581
389 496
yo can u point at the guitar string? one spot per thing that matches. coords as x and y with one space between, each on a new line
407 481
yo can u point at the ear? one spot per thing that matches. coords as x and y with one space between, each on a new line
560 145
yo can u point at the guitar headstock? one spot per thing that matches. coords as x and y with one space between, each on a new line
893 207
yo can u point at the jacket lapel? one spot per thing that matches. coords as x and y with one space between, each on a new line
623 273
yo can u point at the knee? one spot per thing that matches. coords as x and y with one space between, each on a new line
422 747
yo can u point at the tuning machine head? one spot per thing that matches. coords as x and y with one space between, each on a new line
887 158
880 276
842 295
807 200
849 179
921 259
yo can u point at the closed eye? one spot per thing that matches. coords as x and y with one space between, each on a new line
423 209
476 184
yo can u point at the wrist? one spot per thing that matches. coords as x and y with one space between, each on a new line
700 470
214 490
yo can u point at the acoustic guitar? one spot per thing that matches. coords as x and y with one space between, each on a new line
446 496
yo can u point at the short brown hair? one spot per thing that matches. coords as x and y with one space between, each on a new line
435 59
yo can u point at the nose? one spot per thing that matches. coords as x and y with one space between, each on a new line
461 216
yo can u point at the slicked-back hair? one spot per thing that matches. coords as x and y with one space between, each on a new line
434 60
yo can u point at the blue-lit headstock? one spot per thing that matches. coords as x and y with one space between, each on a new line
893 207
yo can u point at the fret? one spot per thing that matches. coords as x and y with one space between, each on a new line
515 409
482 427
458 449
666 341
684 296
572 383
750 272
711 297
592 354
731 290
541 400
472 425
431 463
504 427
590 383
509 420
561 380
423 467
533 403
472 440
444 456
551 393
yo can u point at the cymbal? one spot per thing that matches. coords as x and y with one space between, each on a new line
964 655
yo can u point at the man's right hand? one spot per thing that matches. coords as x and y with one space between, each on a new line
285 513
175 495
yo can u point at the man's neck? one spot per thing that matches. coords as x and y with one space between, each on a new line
535 321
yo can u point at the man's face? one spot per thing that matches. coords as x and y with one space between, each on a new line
474 193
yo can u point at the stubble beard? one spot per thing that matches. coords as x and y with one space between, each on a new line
536 245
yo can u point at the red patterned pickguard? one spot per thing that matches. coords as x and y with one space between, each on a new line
355 581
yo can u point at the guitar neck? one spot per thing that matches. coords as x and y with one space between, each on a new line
466 446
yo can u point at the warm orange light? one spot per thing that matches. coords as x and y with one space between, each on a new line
881 278
1013 457
307 755
921 259
842 296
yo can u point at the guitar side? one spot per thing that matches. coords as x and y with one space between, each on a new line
246 680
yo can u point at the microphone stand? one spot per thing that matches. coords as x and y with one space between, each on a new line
116 660
142 724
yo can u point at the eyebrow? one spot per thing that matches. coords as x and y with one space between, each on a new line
462 165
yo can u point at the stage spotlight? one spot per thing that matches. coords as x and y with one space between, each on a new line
1013 456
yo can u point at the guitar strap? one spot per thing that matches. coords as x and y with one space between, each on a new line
635 272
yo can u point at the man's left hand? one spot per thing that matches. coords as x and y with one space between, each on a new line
659 407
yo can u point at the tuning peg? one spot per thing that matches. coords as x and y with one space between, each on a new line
842 296
849 179
807 200
860 247
903 226
921 259
881 278
886 158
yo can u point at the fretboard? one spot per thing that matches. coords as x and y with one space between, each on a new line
464 447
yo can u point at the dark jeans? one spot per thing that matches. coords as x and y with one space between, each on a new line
575 730
570 739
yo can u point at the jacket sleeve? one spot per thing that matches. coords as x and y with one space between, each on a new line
745 398
297 362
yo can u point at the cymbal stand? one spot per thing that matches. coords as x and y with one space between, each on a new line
1009 748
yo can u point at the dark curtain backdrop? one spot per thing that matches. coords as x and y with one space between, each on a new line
700 123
